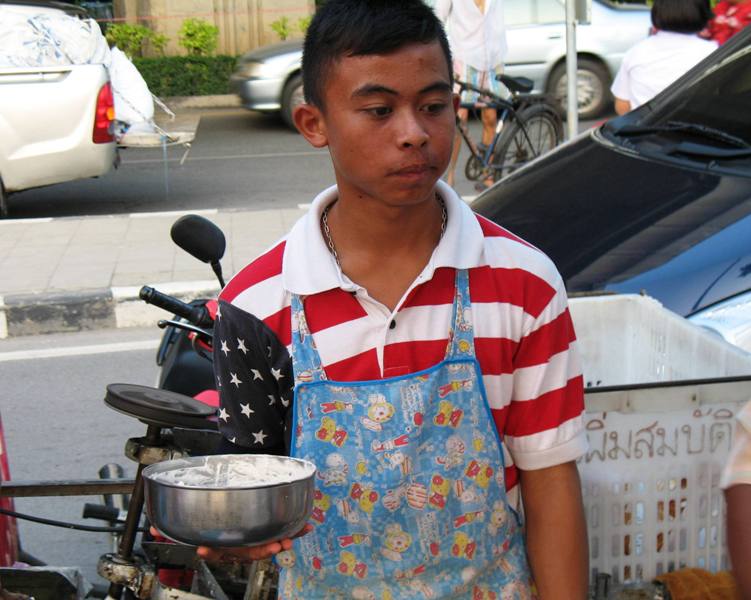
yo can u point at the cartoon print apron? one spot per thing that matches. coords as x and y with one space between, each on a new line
410 498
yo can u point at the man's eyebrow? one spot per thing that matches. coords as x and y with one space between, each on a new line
370 89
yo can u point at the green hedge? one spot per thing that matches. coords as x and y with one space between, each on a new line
187 75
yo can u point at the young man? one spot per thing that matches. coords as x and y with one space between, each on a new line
394 338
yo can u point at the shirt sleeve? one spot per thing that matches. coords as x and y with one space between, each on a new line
545 425
621 87
737 470
254 378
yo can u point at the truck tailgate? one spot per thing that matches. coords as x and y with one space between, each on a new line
46 125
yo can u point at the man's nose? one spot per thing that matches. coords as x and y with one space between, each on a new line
412 133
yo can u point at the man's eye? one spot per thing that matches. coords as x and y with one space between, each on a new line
379 111
435 108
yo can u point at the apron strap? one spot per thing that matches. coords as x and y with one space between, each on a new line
461 336
306 361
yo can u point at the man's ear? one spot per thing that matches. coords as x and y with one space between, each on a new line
456 99
310 123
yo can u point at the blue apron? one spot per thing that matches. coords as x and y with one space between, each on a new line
410 499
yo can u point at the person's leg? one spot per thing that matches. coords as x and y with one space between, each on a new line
489 120
463 115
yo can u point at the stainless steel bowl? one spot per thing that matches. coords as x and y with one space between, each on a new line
244 513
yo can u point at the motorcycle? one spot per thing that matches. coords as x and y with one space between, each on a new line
180 419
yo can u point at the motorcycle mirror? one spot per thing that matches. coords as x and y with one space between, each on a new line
199 237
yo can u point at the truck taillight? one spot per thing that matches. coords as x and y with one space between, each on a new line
104 115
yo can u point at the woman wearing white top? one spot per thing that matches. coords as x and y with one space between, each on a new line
656 62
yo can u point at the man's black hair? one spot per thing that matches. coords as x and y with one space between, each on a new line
363 27
681 16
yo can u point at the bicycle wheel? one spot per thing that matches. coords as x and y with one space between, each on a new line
474 168
517 145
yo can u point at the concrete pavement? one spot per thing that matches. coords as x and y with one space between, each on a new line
78 273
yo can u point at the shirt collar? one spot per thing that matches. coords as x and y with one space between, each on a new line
308 267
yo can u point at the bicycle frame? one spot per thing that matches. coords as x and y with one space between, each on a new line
506 110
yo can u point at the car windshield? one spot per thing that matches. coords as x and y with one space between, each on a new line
706 122
720 99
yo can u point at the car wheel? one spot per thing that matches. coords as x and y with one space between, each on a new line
292 95
3 201
593 87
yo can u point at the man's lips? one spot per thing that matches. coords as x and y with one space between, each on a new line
417 169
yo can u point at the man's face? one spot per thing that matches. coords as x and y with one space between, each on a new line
389 123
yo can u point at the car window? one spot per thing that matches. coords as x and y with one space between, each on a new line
720 99
533 12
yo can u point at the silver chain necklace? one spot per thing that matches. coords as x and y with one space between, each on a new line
330 241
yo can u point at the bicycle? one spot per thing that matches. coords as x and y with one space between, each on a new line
528 126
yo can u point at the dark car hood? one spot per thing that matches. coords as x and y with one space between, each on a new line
611 220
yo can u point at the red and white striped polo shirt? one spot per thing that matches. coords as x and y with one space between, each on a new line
524 336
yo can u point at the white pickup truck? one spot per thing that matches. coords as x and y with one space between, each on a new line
55 121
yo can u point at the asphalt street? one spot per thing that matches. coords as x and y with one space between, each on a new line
57 427
238 159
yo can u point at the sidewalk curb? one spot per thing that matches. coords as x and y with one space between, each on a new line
105 308
213 101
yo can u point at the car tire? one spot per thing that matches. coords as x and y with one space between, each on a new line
292 95
593 87
3 201
517 145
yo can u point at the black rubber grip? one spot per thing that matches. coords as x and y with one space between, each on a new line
198 315
100 511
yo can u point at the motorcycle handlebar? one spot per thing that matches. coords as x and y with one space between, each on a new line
198 315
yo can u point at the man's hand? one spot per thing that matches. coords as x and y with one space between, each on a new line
557 544
245 554
248 554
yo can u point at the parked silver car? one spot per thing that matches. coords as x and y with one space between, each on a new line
268 79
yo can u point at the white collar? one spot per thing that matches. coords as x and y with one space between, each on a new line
308 267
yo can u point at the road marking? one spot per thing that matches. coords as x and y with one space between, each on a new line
228 157
25 221
173 213
78 350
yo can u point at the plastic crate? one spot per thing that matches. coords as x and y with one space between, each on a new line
651 475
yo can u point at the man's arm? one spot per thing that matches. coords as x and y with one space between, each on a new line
557 545
738 499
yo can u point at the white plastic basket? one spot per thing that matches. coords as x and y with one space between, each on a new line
651 475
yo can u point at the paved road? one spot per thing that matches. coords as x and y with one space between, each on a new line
239 159
57 426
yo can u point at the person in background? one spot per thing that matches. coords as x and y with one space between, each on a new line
730 16
736 482
477 36
656 62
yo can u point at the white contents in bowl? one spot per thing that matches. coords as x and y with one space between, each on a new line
237 471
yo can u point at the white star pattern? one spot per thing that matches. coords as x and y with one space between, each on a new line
285 402
241 346
268 349
223 415
232 440
218 312
218 382
235 380
258 437
225 348
256 374
246 410
277 373
272 400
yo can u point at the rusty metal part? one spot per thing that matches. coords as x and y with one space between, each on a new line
140 450
132 574
70 487
169 555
